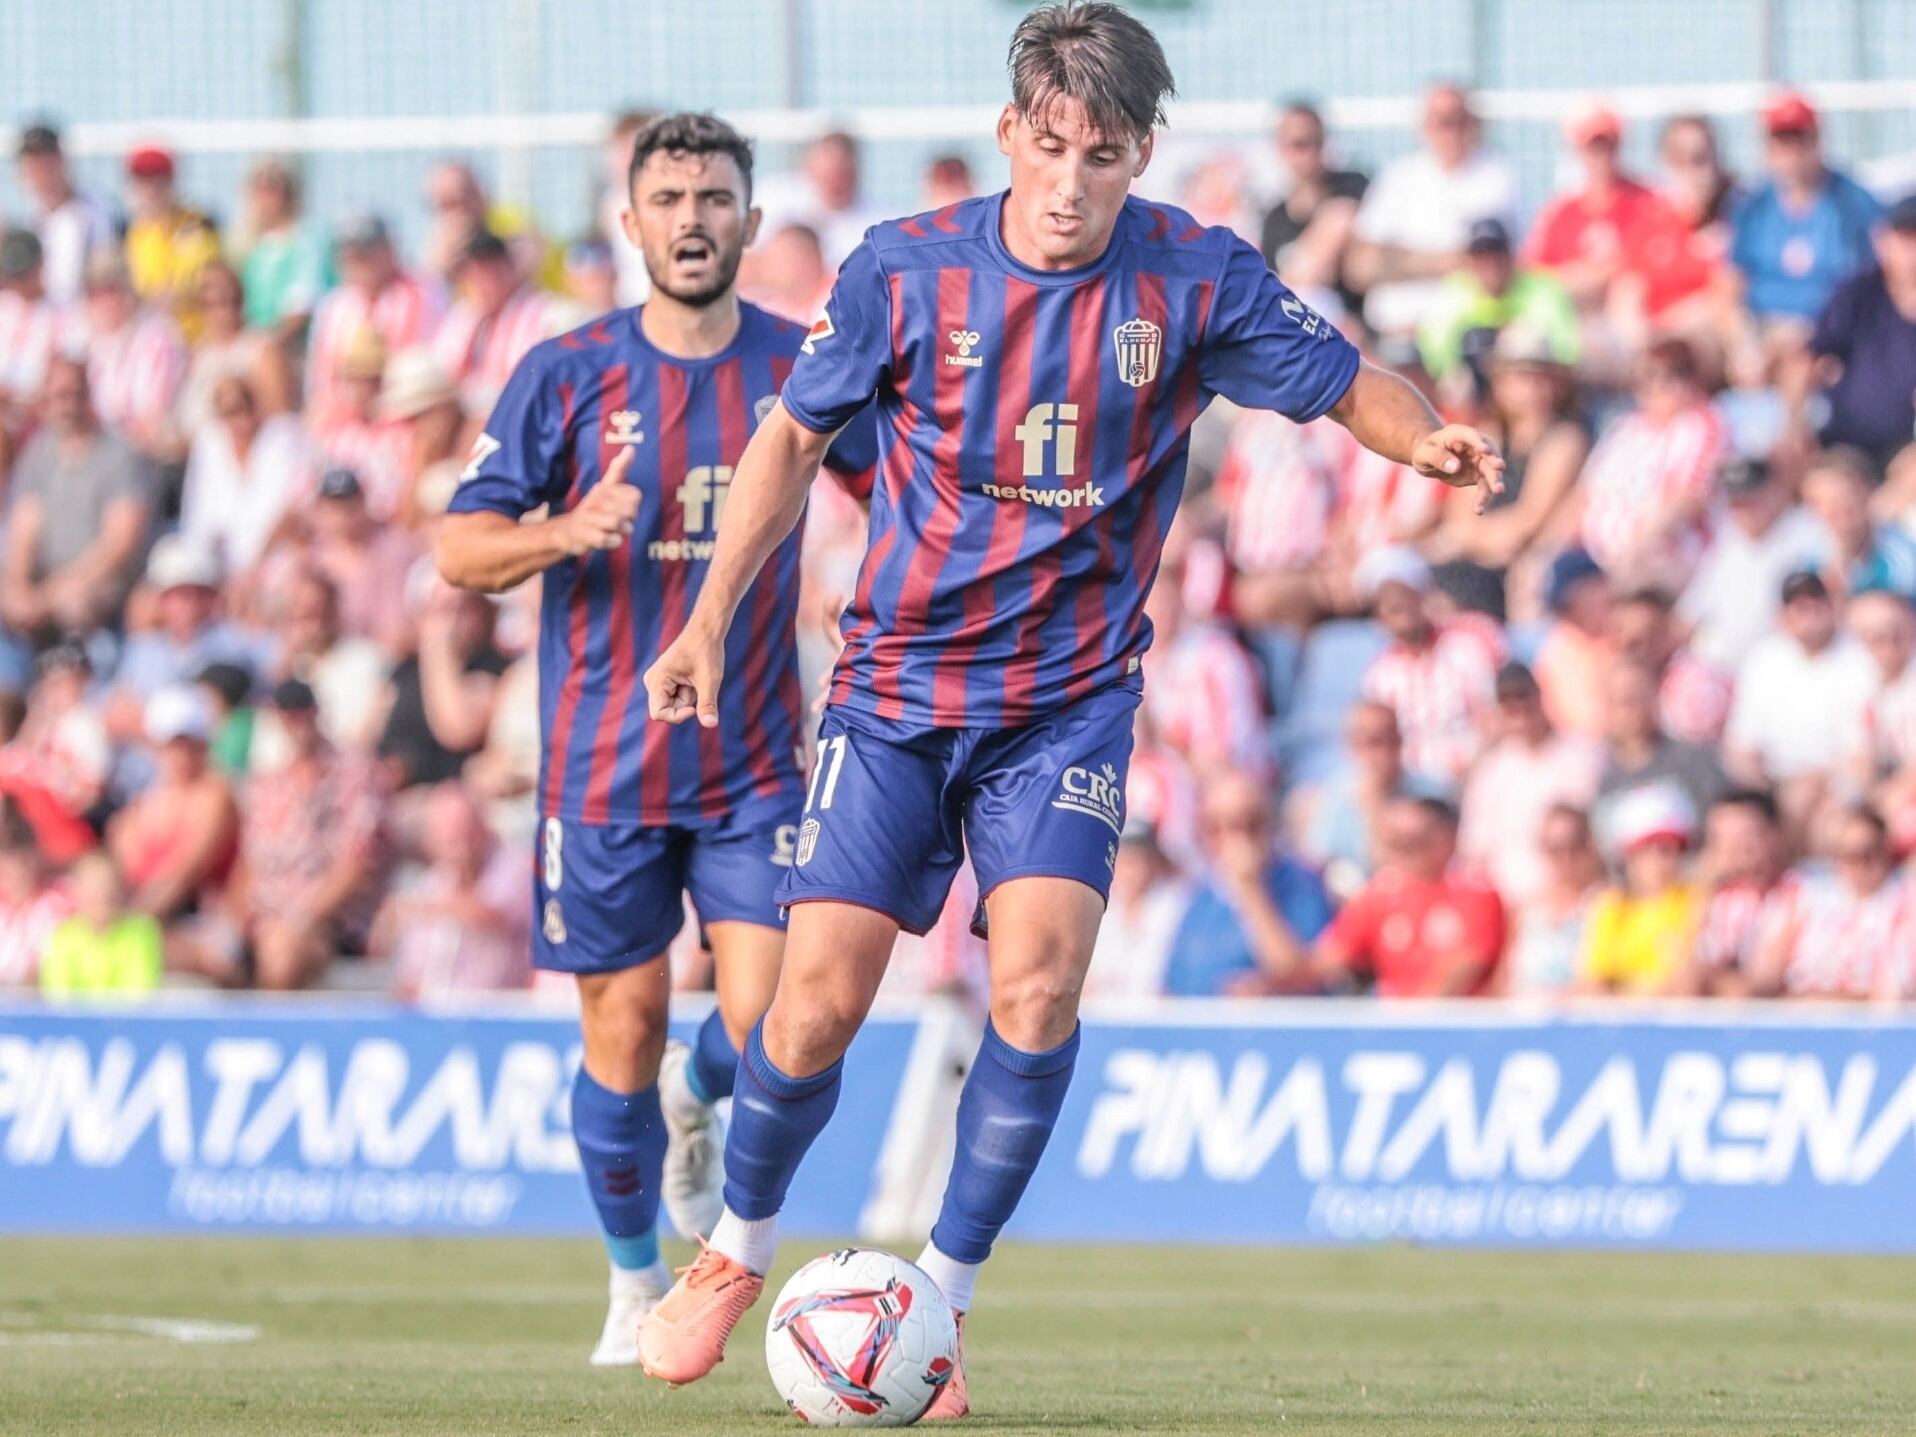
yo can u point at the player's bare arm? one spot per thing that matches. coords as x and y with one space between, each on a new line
493 552
1390 417
768 495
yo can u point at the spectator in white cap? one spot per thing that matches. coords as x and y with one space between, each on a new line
1639 934
418 395
183 631
1439 678
177 838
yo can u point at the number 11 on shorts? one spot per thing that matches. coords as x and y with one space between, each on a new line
831 758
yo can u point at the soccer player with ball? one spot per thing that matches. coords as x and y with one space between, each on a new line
1038 358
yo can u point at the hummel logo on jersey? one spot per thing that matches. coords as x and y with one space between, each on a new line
625 427
821 329
1139 344
1038 433
1093 791
964 339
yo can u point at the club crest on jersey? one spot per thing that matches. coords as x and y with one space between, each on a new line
807 841
554 924
821 329
625 427
966 340
763 408
1093 791
1139 343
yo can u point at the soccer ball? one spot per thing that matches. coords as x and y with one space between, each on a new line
860 1338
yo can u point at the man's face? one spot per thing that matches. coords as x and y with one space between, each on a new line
43 177
453 198
1235 810
149 197
1373 740
186 609
1794 157
1068 181
63 398
309 621
488 283
1885 625
365 267
1810 620
1400 611
1519 714
1450 130
832 166
691 218
1599 158
108 307
1492 269
1415 840
1300 144
339 523
1741 843
1640 632
1896 252
1842 503
1630 706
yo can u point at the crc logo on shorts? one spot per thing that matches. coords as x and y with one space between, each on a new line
807 841
553 925
1096 792
784 841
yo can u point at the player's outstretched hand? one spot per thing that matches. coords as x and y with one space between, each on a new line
603 519
684 683
1461 456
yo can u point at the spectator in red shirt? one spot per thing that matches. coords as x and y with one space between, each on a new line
1620 248
1421 928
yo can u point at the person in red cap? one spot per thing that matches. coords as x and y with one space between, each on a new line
1804 231
1619 247
168 243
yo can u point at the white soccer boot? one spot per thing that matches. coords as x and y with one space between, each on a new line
631 1304
693 1187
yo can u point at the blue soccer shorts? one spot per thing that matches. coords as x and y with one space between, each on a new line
891 807
608 895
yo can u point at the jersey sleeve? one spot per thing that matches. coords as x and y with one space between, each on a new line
853 458
514 466
848 349
1266 349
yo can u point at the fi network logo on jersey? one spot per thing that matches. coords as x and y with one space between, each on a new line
1093 791
625 427
821 329
1139 343
1049 436
966 340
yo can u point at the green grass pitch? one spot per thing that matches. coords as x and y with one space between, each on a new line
422 1337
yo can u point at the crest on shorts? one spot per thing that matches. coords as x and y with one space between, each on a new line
1139 343
807 841
554 924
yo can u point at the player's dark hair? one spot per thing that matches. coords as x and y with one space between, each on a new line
687 133
1097 54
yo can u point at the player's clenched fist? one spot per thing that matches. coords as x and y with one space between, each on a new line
604 517
685 680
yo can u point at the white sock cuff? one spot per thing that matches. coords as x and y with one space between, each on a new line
956 1280
655 1279
752 1243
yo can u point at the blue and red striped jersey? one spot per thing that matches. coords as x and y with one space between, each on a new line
569 407
1033 429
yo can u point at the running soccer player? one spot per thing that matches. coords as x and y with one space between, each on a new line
626 432
1038 358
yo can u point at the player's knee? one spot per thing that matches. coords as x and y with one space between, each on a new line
803 1039
624 1033
1036 1010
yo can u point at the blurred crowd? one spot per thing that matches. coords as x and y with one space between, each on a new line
1648 725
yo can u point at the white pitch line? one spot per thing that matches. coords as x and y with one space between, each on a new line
187 1330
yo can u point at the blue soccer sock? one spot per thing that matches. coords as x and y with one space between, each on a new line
714 1066
775 1117
1006 1113
621 1138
